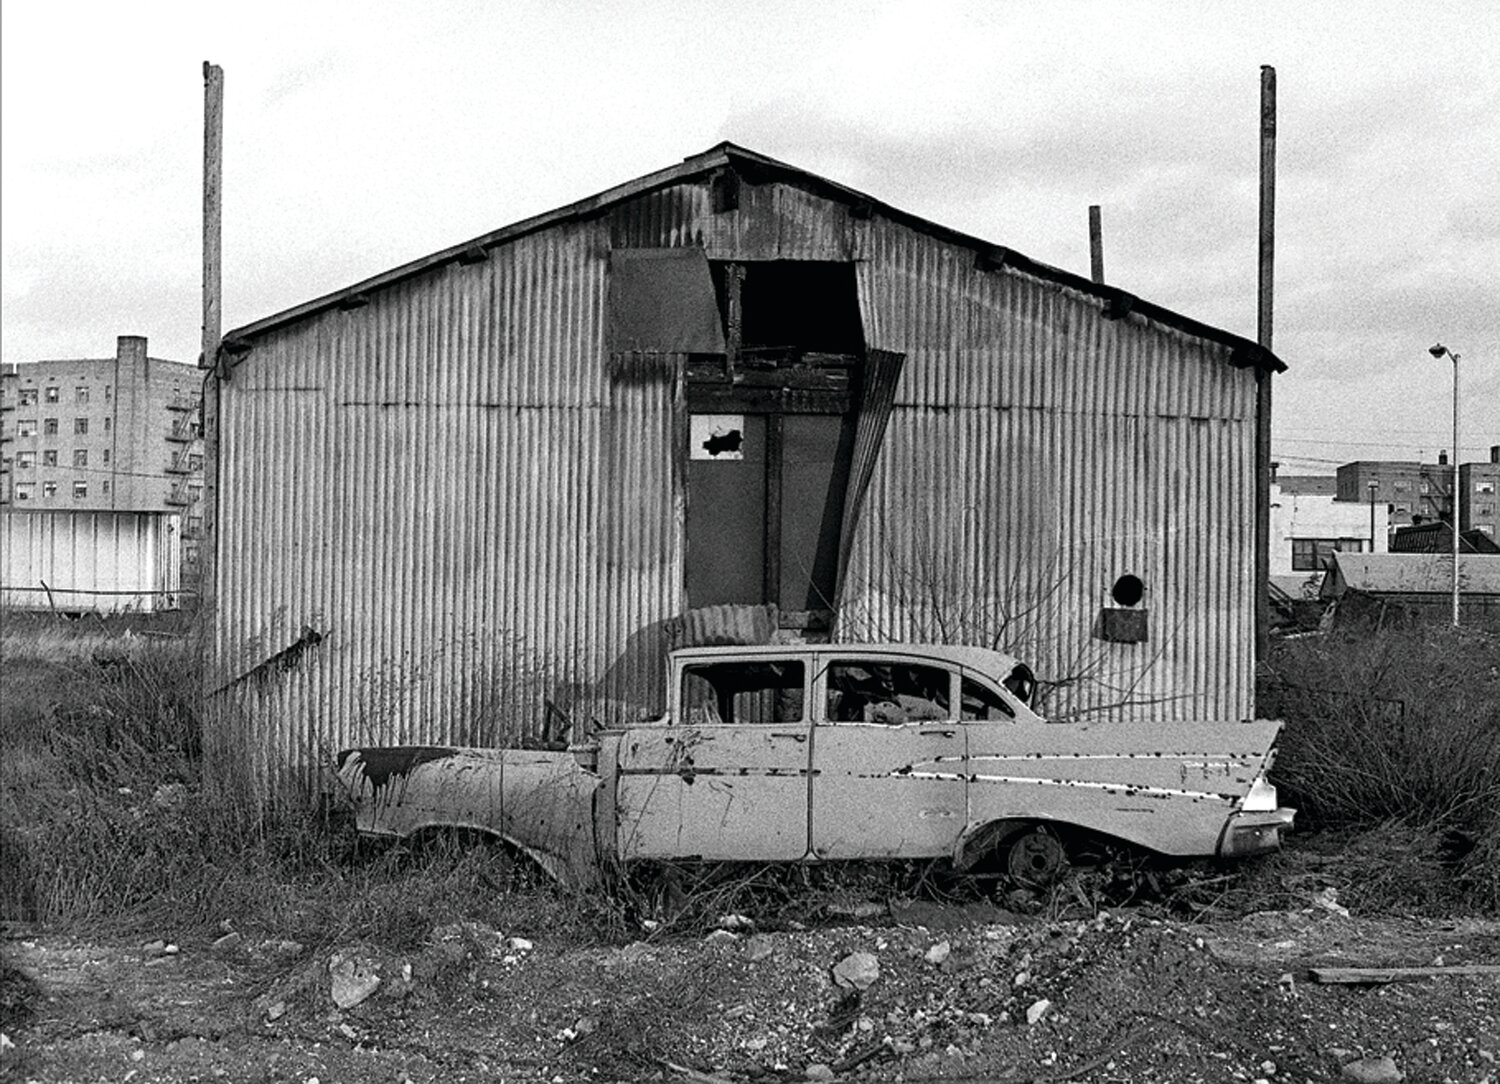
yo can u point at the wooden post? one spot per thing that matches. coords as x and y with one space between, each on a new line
1263 376
213 146
1096 244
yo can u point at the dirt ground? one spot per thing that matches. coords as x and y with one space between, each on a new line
922 993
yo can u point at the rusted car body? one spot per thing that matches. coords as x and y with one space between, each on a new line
825 752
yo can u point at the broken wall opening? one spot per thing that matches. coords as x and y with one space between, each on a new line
772 427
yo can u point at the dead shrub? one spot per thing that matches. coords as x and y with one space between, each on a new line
108 816
1401 728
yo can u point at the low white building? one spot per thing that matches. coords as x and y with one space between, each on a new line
1306 529
80 562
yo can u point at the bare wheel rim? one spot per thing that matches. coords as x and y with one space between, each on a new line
1036 858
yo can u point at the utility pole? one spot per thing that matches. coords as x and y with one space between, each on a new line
213 175
1263 376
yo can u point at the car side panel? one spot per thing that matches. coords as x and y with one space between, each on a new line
1169 787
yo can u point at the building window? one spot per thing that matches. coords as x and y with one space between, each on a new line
1402 487
1313 554
106 457
28 397
81 394
25 491
1484 509
104 487
195 462
25 460
81 426
53 394
195 523
107 393
108 424
80 457
195 493
49 427
49 457
49 490
80 490
1484 487
1487 528
26 427
1426 488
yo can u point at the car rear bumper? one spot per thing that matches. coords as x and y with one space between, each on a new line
1247 834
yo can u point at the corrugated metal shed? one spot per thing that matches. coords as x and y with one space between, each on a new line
442 491
104 562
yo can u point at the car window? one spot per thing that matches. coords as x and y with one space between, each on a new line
983 704
743 692
866 691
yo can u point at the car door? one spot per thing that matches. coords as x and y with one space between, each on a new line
729 779
888 758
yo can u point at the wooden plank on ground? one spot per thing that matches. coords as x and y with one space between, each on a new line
1359 975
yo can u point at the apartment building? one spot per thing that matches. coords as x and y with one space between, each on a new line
1479 495
120 434
1411 491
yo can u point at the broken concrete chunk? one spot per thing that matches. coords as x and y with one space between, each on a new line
721 937
1380 1070
354 980
818 1071
858 970
758 948
1038 1010
228 942
1328 900
939 952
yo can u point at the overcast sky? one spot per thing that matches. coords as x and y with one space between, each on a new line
359 136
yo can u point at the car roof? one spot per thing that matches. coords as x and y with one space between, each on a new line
997 664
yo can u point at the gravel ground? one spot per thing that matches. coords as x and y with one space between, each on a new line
926 994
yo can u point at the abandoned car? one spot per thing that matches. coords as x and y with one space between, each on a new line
825 752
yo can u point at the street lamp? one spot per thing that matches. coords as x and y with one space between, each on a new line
1437 351
1373 487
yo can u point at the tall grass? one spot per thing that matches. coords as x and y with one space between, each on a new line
1397 731
110 816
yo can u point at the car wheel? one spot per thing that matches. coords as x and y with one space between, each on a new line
1036 858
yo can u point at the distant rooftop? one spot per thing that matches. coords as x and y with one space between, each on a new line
1308 485
1411 574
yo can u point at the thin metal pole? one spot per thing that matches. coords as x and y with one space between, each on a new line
1455 487
1096 244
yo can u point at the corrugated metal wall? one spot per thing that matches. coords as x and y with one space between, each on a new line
105 562
1039 451
478 508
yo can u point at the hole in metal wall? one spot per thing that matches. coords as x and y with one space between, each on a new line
1128 590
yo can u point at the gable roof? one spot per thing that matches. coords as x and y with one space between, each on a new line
759 168
1412 574
1437 537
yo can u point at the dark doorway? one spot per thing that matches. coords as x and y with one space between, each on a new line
771 438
